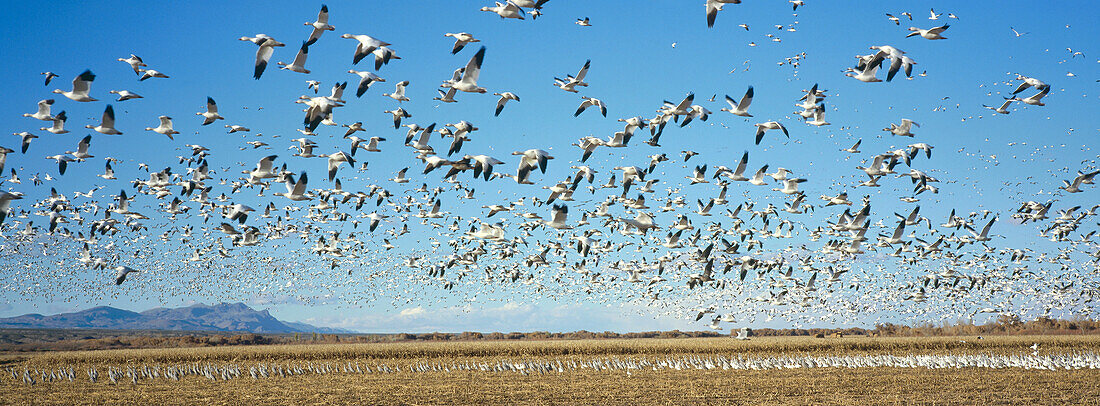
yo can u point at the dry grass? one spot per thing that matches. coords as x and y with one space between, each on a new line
803 386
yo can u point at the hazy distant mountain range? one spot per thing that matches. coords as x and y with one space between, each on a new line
200 317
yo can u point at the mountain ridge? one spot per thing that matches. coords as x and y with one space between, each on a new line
198 317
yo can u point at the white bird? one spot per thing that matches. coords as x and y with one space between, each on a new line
741 108
321 25
299 64
135 63
583 22
211 112
5 203
506 10
263 53
570 82
124 95
107 124
365 80
504 97
81 85
714 6
770 125
334 161
367 45
558 217
399 92
165 127
1003 109
904 129
588 102
461 39
931 33
150 73
81 152
43 112
468 83
122 272
58 124
871 67
295 191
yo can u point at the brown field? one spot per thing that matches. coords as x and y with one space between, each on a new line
879 385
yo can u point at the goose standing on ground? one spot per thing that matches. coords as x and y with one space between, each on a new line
122 272
107 125
367 45
468 83
714 6
590 101
504 97
770 125
135 62
211 112
299 64
931 33
43 112
58 124
165 127
124 95
365 80
741 108
321 25
81 85
461 39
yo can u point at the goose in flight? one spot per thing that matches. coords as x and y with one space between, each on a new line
263 52
558 216
819 116
770 125
984 235
151 73
932 14
81 152
25 140
43 112
790 187
399 92
588 102
58 124
107 124
1003 109
321 25
398 114
461 39
533 158
741 108
211 113
1036 99
903 129
261 39
49 77
299 64
1029 82
135 62
468 83
5 202
124 95
931 33
854 149
714 6
165 127
570 82
504 97
295 191
583 22
122 272
870 68
334 161
81 85
62 162
367 45
506 10
263 169
365 80
1080 179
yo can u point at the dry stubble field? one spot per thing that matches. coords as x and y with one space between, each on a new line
625 377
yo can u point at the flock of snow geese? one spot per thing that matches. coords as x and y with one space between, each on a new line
633 238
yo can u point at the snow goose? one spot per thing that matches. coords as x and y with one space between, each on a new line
468 83
365 80
261 39
25 140
714 6
741 108
263 53
299 64
295 191
984 235
506 10
461 39
699 175
758 178
558 216
135 62
819 117
81 152
107 125
43 112
1036 99
583 22
367 45
49 77
5 203
122 272
399 92
398 114
1003 109
124 95
382 56
211 112
570 82
334 161
504 97
400 178
588 102
790 187
165 127
58 124
81 85
869 68
739 173
854 149
151 73
321 25
1029 82
903 129
62 162
931 33
770 125
237 128
533 158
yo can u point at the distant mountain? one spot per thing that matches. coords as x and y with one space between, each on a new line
200 317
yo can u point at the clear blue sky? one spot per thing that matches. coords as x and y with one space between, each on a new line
984 162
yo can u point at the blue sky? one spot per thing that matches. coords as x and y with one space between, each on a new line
985 162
